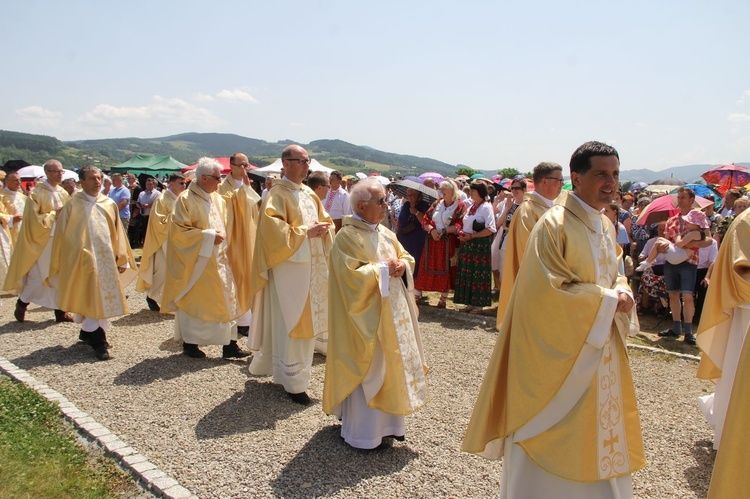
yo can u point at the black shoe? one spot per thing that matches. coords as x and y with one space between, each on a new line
101 352
299 398
233 351
690 339
20 312
61 316
243 330
85 337
399 438
152 305
669 333
193 351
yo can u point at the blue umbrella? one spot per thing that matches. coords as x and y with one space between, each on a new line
638 186
476 176
703 191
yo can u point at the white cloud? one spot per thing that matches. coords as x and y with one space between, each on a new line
237 95
745 97
199 97
161 112
738 117
39 116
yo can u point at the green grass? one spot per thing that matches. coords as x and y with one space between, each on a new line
39 456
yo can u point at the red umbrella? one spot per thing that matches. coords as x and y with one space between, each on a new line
664 207
727 177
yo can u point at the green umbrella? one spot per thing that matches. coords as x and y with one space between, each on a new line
476 176
567 186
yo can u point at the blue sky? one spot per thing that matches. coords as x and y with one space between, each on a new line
487 84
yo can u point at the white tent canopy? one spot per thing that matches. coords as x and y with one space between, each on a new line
275 167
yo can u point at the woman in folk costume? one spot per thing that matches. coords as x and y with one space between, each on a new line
439 263
474 280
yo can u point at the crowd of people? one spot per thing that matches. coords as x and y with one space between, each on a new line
314 262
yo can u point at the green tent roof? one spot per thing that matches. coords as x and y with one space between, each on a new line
153 165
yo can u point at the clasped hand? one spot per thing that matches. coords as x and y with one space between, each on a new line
396 267
317 229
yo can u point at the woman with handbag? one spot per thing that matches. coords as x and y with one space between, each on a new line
474 279
513 200
439 263
410 232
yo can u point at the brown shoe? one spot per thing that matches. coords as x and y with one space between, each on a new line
61 316
20 312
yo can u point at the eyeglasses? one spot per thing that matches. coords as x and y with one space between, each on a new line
215 177
556 179
243 165
381 201
301 161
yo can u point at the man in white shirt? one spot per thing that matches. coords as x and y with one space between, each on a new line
336 202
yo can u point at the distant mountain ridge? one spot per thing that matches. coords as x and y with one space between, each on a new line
188 147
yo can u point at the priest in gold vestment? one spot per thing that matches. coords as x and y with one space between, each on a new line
14 200
200 284
29 267
724 325
153 269
557 401
245 215
91 262
290 278
375 368
548 181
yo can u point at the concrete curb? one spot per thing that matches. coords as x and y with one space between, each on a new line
146 473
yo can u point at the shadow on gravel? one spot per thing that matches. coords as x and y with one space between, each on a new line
699 476
453 319
150 370
247 411
326 465
143 316
58 355
28 325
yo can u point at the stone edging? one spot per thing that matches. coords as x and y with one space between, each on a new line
146 473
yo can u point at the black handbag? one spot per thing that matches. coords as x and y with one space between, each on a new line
477 226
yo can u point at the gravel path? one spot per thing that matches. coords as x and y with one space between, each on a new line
224 433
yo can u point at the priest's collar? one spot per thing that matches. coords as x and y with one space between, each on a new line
285 182
370 225
91 199
590 210
198 191
548 202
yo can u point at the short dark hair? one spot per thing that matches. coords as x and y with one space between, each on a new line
480 188
337 174
176 176
316 179
543 170
580 161
83 171
690 191
519 181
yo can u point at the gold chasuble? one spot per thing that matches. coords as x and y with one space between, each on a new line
242 203
364 318
192 289
88 248
156 237
14 202
282 230
524 219
729 289
39 216
732 467
558 383
6 241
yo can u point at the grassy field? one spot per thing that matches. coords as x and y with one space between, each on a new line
39 455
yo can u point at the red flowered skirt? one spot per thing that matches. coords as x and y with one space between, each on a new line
435 271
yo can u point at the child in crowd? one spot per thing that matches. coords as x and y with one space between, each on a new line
697 224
